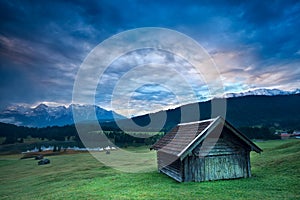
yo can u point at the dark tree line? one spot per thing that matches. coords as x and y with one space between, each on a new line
262 133
14 134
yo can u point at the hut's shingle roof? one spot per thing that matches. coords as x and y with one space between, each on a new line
180 137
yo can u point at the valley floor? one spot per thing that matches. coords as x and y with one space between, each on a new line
276 175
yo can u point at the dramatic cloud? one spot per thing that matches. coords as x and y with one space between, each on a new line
255 44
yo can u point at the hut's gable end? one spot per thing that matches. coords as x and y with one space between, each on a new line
226 144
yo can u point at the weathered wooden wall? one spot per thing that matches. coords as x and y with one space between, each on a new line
216 167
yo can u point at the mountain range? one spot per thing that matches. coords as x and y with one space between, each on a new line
242 109
43 115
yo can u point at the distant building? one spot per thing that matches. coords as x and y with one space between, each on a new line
285 136
203 151
296 135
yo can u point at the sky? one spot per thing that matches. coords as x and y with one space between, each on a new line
254 44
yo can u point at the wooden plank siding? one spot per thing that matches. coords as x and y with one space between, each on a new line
215 168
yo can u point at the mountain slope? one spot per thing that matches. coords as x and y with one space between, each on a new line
279 111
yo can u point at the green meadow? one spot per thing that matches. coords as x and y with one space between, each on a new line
275 175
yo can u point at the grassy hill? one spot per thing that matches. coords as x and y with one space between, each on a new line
276 175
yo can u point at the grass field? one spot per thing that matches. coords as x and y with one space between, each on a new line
276 175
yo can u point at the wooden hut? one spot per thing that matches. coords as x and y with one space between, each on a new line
203 151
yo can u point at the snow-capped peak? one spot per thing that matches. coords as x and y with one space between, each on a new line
41 107
297 91
262 92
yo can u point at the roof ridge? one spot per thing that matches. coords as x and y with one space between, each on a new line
197 122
